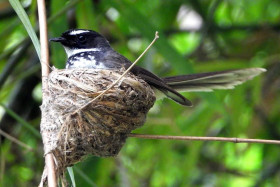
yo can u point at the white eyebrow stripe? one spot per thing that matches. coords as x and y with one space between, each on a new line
75 32
71 52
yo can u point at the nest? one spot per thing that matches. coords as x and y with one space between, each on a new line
73 126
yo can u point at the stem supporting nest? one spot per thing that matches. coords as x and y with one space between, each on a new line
49 160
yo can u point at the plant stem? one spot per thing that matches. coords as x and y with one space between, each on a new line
49 160
201 138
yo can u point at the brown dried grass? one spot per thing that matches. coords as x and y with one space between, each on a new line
102 126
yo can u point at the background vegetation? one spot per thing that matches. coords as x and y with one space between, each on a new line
195 36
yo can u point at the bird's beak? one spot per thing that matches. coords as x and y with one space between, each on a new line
59 39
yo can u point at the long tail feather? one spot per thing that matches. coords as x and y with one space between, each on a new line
210 81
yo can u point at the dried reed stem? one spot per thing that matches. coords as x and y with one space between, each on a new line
199 138
49 160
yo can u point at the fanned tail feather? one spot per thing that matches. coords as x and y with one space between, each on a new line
210 81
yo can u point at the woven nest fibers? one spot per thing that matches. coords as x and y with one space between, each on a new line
73 126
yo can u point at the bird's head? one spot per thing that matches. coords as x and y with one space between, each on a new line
80 40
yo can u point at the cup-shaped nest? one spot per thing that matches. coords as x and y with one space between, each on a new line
74 126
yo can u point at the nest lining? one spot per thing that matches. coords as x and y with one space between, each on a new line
101 127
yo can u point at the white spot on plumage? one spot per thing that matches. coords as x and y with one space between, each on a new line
91 57
75 32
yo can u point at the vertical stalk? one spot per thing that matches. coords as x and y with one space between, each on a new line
49 160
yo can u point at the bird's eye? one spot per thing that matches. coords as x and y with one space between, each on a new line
81 38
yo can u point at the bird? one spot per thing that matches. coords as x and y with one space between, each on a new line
89 49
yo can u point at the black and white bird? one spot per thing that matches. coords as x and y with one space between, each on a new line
89 49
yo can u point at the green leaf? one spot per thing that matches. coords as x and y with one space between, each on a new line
85 177
26 22
72 177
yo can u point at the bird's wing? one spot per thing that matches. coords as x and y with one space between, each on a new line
160 85
116 60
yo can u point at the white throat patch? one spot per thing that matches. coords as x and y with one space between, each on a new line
71 52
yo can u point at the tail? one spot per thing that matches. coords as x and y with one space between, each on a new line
171 86
210 81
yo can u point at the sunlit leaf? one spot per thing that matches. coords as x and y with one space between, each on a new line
25 20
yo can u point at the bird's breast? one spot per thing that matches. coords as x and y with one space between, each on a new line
84 60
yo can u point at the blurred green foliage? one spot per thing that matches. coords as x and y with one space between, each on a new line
195 36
